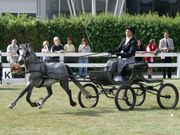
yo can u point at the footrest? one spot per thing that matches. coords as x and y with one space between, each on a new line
101 77
137 65
153 80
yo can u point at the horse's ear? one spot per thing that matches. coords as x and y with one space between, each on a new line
17 52
29 49
27 46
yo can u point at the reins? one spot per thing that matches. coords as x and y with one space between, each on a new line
75 58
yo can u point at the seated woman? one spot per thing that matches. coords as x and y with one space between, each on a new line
125 52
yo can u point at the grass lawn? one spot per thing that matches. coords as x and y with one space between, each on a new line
59 118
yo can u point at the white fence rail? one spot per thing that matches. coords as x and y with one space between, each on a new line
62 57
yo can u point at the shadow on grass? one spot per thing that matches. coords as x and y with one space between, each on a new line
153 109
9 88
88 113
84 112
100 111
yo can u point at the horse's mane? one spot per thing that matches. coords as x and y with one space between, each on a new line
33 54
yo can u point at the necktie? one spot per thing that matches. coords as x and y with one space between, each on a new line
167 44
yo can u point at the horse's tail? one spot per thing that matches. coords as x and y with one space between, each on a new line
76 82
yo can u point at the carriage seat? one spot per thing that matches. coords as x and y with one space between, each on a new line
132 73
127 71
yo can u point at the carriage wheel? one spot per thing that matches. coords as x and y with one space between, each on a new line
88 102
167 96
140 93
125 98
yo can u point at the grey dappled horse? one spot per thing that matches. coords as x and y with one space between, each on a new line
39 74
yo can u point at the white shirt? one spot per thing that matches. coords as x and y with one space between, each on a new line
45 50
12 58
84 49
127 40
162 44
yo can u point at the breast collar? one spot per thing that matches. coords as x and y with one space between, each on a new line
43 69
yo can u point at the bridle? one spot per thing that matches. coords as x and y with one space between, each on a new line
24 55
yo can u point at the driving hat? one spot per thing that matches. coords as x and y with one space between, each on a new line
131 29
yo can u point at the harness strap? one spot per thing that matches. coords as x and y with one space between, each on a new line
46 70
45 74
43 70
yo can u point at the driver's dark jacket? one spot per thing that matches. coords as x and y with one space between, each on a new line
129 49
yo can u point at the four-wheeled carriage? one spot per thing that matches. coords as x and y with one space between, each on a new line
129 90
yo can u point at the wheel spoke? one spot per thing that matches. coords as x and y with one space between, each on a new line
140 93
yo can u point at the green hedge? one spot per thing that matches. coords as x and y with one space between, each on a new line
103 31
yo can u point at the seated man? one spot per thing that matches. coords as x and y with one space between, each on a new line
16 69
12 50
125 52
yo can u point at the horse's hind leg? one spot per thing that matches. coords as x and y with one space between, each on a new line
65 86
49 90
33 104
77 83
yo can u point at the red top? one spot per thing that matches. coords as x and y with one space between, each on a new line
150 48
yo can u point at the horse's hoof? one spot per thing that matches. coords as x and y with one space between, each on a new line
11 106
73 104
40 107
34 104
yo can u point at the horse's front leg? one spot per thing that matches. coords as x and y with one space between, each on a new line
49 90
13 103
33 104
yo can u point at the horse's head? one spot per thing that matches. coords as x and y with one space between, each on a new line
24 53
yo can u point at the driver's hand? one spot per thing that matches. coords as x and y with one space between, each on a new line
118 54
110 51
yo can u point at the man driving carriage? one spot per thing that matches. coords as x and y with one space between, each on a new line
125 52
